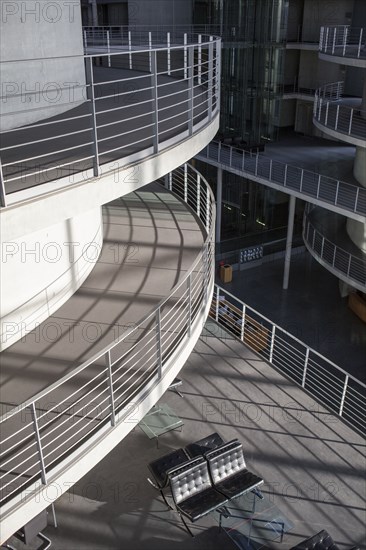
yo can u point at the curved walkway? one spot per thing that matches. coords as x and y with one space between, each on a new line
344 198
151 239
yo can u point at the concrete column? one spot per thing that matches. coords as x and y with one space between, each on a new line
218 204
290 231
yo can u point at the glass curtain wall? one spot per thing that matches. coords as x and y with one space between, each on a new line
253 33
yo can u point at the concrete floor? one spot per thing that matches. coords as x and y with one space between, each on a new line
311 309
150 240
312 464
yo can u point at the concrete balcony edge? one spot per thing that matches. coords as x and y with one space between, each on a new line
347 138
55 206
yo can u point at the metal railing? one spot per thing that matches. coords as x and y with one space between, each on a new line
345 265
295 89
132 103
64 421
326 190
343 41
329 111
328 384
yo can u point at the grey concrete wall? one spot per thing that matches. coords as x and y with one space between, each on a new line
160 12
34 84
321 12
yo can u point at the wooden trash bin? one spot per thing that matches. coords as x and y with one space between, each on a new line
226 273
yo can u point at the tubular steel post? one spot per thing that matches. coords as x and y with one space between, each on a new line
334 39
343 395
190 89
189 314
345 41
198 195
158 343
337 116
217 304
210 77
199 59
305 368
360 44
168 53
272 343
242 323
38 444
356 199
150 48
108 363
91 97
129 49
350 123
185 182
185 56
218 204
290 229
108 49
155 101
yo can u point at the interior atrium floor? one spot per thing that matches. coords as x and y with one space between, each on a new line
312 463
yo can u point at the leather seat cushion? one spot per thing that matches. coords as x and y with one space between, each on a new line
201 504
238 484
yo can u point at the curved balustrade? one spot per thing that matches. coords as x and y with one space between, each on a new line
343 41
340 262
63 424
134 103
327 383
330 113
326 191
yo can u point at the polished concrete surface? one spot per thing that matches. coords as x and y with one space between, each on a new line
312 463
151 239
311 309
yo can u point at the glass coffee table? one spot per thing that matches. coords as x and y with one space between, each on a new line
251 522
160 420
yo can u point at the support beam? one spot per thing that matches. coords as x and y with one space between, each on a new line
290 231
218 204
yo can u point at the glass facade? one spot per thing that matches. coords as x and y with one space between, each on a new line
253 33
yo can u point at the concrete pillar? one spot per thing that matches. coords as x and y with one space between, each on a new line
218 204
290 231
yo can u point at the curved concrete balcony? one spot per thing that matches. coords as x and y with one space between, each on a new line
293 91
141 101
339 117
343 44
326 239
79 384
345 198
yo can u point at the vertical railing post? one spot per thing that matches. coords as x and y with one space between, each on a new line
273 336
219 152
158 343
345 40
108 49
217 304
38 443
256 164
301 179
91 97
85 40
350 122
155 100
185 56
190 89
198 195
199 59
150 48
360 43
318 190
185 180
170 181
322 247
129 50
189 308
305 368
356 199
210 77
108 362
2 187
242 328
270 170
336 195
326 114
337 117
230 156
168 53
285 176
343 395
208 210
326 39
205 275
334 39
349 265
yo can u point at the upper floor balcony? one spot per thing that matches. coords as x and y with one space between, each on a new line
343 44
141 100
338 116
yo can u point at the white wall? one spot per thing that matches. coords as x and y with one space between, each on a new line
39 86
40 271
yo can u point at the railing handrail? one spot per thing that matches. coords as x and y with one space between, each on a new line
205 154
342 41
128 332
350 257
264 318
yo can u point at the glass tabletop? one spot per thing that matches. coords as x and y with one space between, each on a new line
159 420
249 528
